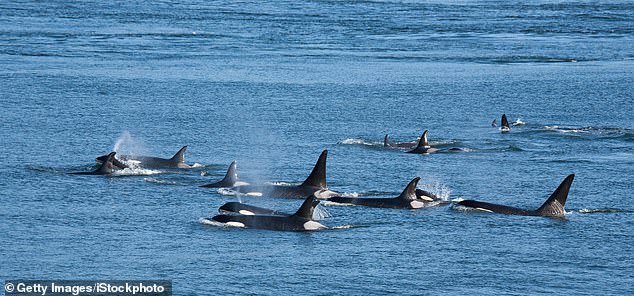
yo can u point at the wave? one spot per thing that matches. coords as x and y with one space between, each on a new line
160 181
604 132
136 172
357 141
605 210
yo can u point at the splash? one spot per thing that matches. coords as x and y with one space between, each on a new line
136 172
127 145
441 190
320 213
607 210
207 221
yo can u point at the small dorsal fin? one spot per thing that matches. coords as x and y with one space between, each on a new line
505 122
307 208
494 123
106 166
180 155
317 177
386 141
410 191
554 205
422 142
231 177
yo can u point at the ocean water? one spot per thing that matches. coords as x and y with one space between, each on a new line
273 83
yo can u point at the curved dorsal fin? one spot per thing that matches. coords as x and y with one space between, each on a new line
505 122
180 155
307 208
410 191
317 177
554 205
231 177
106 166
386 141
422 142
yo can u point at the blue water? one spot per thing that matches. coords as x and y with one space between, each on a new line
272 84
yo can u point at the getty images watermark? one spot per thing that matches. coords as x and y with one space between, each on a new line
97 287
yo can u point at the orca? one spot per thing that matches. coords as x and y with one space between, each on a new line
105 168
316 182
229 180
244 209
494 123
176 162
553 207
410 198
505 128
387 143
302 220
423 146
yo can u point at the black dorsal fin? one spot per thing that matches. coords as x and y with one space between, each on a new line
386 141
422 142
317 177
106 166
231 177
180 155
505 122
410 191
554 205
307 208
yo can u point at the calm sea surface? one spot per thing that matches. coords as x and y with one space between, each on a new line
273 83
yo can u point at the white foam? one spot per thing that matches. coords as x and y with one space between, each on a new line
352 141
321 213
208 221
227 191
136 172
342 227
197 165
332 203
441 190
241 183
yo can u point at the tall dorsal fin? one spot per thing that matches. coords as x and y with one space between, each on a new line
410 191
422 142
505 122
307 208
180 155
386 141
231 177
317 177
554 205
106 166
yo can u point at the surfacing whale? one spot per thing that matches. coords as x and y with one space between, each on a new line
230 179
410 198
316 182
302 220
244 209
423 146
553 207
150 162
387 143
105 168
505 128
